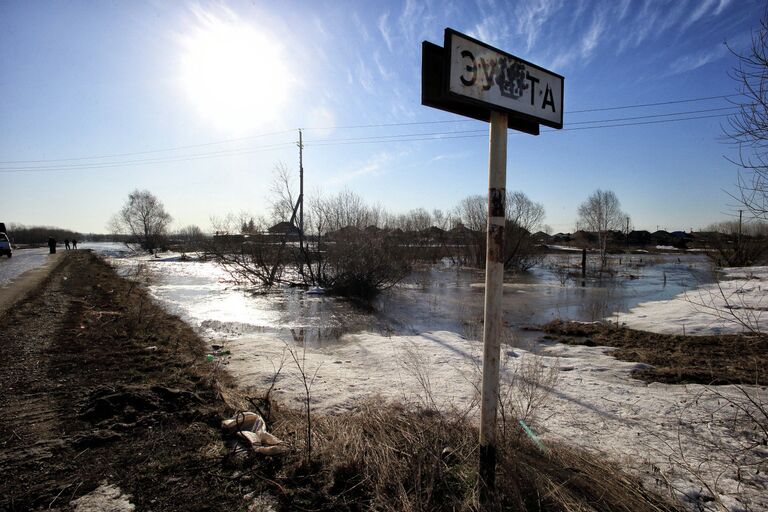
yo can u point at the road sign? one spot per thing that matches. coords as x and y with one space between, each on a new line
481 74
473 79
434 92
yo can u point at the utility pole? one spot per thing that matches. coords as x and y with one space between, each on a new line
627 231
301 184
738 243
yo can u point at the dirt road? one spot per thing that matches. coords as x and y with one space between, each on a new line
23 273
100 386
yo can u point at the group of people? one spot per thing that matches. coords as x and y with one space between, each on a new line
52 244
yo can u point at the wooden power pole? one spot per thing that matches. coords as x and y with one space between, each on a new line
301 184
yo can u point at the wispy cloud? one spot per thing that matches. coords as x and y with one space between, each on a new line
450 156
591 39
622 9
696 60
722 6
415 15
374 166
532 16
383 25
364 76
383 71
697 13
652 21
361 27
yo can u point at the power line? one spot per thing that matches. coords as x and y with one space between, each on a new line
467 134
146 161
342 142
343 127
655 115
407 137
136 153
639 105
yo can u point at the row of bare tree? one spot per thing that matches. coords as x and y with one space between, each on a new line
357 249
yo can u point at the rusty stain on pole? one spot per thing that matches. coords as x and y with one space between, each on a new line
493 321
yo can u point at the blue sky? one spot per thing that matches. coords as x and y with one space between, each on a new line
197 102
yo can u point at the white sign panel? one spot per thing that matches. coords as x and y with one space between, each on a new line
479 73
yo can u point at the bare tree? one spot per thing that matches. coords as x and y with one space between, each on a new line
601 213
191 234
749 127
143 218
523 217
284 196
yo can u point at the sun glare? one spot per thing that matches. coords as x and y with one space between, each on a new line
234 75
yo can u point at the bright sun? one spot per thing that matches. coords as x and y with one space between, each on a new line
234 75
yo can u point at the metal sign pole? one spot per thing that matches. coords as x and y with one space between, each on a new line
493 321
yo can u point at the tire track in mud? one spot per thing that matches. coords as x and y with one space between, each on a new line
30 405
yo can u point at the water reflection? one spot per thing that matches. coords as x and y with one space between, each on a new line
431 299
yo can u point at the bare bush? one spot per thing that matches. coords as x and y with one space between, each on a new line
257 262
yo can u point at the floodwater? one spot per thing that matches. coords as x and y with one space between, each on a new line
438 298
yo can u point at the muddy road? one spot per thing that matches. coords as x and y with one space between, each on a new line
99 386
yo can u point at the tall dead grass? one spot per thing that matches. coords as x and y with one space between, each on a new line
389 457
419 457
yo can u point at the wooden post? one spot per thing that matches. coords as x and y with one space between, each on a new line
493 321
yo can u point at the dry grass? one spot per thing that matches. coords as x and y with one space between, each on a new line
394 458
676 359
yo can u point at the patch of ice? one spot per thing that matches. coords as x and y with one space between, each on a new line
735 304
105 498
563 248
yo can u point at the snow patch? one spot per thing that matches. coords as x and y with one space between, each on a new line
737 303
105 498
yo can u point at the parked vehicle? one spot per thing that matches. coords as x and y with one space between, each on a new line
5 245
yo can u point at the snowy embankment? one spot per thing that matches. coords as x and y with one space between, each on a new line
680 439
737 303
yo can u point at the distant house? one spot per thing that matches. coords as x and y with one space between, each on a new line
641 237
284 229
227 239
703 239
541 237
661 237
562 238
433 233
582 236
680 239
345 233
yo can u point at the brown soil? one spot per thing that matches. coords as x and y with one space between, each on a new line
84 401
675 359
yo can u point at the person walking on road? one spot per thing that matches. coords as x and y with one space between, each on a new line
52 244
66 243
74 243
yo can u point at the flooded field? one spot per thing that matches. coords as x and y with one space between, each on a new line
442 297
